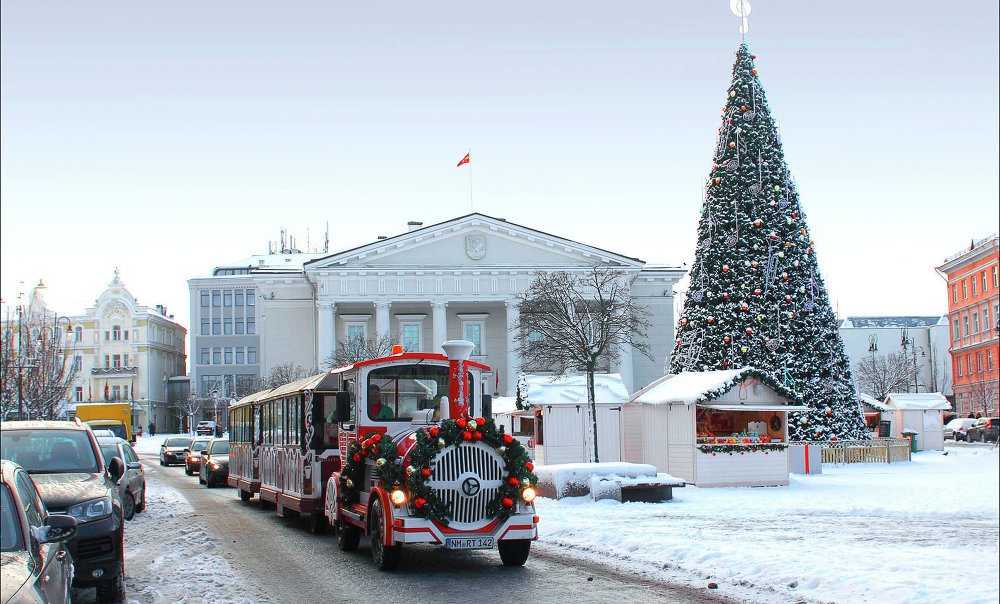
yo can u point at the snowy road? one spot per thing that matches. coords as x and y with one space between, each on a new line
198 545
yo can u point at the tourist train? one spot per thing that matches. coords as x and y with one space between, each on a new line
398 448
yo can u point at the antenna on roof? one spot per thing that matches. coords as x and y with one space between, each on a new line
283 246
326 238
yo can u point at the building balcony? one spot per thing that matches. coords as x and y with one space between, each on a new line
115 371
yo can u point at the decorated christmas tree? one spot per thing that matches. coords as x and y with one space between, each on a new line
756 296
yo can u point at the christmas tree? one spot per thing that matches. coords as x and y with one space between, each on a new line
756 296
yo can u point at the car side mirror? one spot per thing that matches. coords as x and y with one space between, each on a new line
205 454
187 450
58 527
343 406
116 467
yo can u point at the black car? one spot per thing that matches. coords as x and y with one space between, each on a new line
66 465
36 564
215 463
174 450
986 429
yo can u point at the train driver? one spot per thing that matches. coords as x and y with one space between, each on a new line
377 410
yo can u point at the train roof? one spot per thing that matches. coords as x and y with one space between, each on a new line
404 356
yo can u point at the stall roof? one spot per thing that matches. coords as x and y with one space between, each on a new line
871 402
927 401
769 407
538 390
690 387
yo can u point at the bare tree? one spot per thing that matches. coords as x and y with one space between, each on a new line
35 369
574 322
878 375
984 394
283 374
188 408
357 349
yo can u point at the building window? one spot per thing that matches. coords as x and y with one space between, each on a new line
250 297
968 363
217 356
216 327
972 279
979 361
239 297
965 325
957 331
125 392
411 337
78 334
994 276
125 360
965 292
474 330
229 356
239 327
205 358
355 332
954 293
958 366
204 327
227 328
116 393
975 322
251 325
239 355
251 355
216 298
116 333
986 319
989 360
984 282
227 298
78 394
204 299
116 361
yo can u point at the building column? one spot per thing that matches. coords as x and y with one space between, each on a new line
382 320
326 325
513 364
439 319
624 367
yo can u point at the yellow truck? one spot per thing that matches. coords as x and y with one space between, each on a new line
116 417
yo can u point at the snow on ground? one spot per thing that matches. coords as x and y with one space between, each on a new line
923 531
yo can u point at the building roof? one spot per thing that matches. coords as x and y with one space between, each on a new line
923 401
690 387
978 248
889 322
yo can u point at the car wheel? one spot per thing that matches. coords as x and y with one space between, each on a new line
141 506
384 557
245 495
348 537
128 506
514 552
112 591
200 479
208 482
162 461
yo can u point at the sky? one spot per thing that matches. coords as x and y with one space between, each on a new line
168 138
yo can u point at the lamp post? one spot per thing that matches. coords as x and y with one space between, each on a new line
909 341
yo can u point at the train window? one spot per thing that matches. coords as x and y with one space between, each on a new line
394 393
330 425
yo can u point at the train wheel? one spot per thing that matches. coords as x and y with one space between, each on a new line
317 522
385 558
245 495
348 536
514 552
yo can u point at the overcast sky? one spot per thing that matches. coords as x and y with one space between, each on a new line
167 138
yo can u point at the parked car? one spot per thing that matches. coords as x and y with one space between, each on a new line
986 429
958 428
132 484
37 566
215 463
205 428
73 478
117 427
192 464
174 450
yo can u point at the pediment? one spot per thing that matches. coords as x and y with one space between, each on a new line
473 242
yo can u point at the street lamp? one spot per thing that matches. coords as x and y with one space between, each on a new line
904 342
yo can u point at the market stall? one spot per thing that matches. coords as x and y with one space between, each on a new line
712 428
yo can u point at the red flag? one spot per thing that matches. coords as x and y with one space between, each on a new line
107 394
465 160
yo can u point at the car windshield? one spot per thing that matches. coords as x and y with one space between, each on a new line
116 429
10 525
177 442
50 451
199 445
109 451
220 447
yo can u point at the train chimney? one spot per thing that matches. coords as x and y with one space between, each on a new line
458 352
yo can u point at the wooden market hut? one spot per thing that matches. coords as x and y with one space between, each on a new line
712 428
921 413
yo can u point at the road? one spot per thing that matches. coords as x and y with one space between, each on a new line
284 562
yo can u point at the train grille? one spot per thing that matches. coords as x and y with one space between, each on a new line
466 478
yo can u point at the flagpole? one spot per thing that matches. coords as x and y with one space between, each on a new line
472 207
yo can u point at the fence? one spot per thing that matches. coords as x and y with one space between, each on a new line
875 450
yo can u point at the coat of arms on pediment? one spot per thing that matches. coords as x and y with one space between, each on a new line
475 246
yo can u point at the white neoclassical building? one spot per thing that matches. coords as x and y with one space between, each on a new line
455 279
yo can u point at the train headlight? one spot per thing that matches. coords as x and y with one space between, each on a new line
398 497
528 494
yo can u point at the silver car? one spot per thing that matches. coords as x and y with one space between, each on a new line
132 484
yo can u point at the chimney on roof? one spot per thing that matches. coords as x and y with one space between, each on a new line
381 237
413 225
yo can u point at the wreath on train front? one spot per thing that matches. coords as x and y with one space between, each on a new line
430 441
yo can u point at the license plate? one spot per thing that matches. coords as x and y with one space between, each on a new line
469 543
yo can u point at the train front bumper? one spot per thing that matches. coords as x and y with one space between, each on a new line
411 529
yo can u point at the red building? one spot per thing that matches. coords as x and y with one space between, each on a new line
973 306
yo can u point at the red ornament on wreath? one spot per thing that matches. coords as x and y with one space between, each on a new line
513 481
466 436
461 423
425 472
530 466
419 502
433 431
507 502
507 439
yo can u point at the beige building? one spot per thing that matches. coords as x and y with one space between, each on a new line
125 352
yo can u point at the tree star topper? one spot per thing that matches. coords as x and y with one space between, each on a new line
741 8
